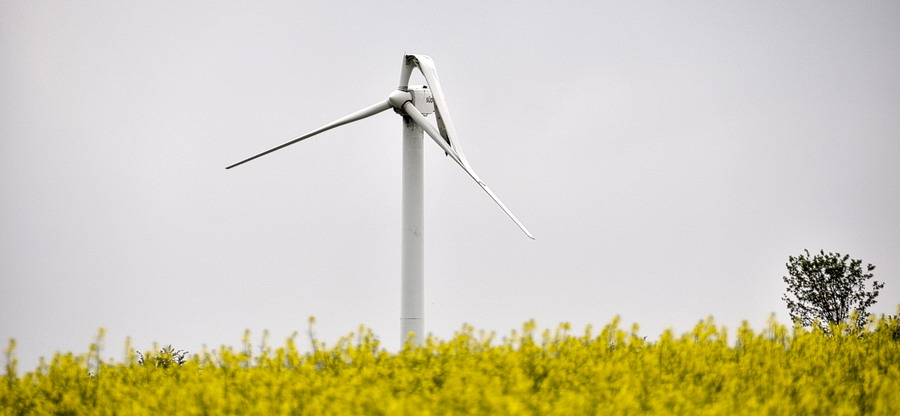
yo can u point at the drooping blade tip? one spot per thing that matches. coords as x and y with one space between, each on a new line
501 204
529 235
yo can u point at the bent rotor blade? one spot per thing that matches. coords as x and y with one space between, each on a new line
419 118
442 113
349 118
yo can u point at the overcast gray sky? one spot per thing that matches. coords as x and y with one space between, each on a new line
668 156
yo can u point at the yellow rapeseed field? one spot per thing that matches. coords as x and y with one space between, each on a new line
779 371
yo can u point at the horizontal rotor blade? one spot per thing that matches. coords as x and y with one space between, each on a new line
419 118
349 118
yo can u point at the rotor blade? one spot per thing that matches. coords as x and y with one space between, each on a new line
419 118
358 115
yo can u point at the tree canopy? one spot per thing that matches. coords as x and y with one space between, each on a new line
828 287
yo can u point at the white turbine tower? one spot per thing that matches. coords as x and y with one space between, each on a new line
413 104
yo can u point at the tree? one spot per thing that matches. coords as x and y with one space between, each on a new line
828 287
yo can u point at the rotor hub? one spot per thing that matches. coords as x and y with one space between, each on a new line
420 96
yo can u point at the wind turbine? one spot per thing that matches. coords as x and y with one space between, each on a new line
413 103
